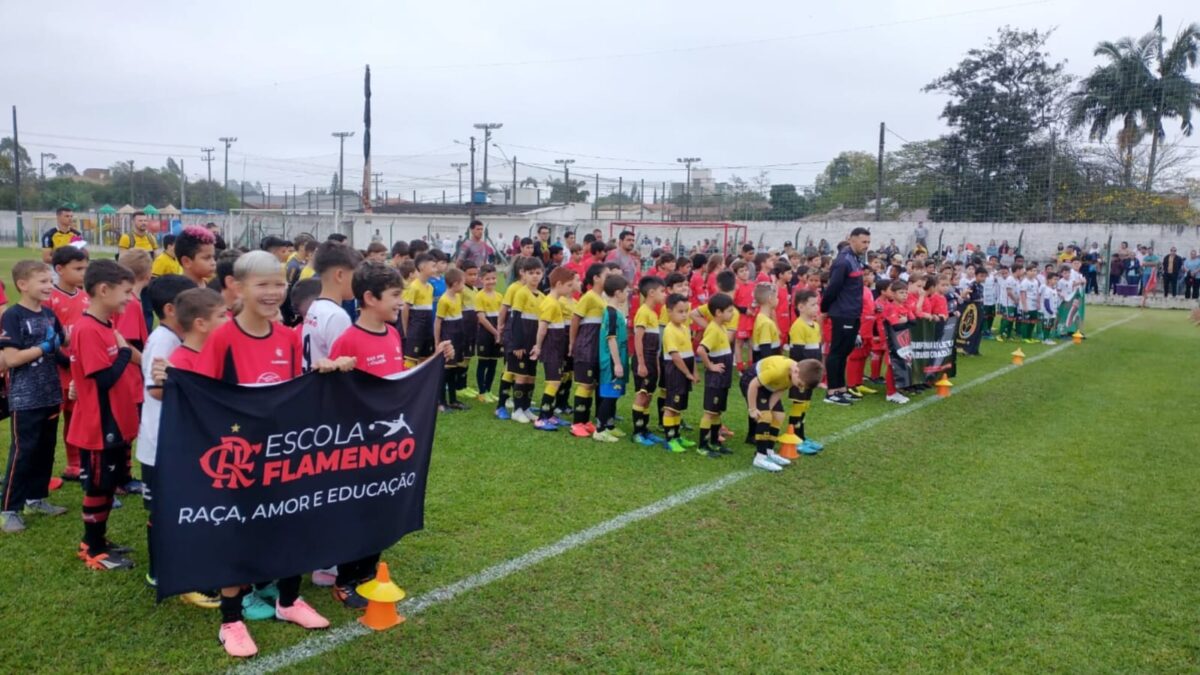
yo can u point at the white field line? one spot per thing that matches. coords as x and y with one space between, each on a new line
320 643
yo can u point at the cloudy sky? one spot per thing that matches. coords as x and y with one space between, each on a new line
622 87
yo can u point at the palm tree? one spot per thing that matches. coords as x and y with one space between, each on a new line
1174 94
1117 90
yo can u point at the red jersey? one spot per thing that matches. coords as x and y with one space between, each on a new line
578 268
783 311
185 358
68 308
103 416
131 323
762 278
910 303
866 324
936 304
699 289
743 296
233 355
380 354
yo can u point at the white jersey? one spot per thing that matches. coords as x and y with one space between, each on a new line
1029 292
1009 295
161 343
991 289
1049 302
1077 279
1065 288
324 323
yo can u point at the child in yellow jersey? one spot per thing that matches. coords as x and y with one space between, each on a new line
523 315
550 346
765 336
647 344
416 316
764 385
679 370
676 284
487 340
716 352
726 283
470 272
448 325
562 400
507 377
584 346
805 339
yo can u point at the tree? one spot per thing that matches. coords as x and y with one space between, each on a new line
6 166
848 180
787 203
567 193
1002 98
65 170
1174 94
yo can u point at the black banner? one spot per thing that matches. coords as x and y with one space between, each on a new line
922 348
970 328
259 483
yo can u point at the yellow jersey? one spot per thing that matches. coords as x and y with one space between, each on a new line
676 340
715 341
550 310
488 303
135 240
468 298
730 325
804 334
775 373
647 319
449 307
420 295
165 264
766 333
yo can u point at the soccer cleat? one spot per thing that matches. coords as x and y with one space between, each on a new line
534 410
1050 342
898 398
11 522
236 640
863 389
108 561
809 448
778 459
492 398
675 446
457 405
761 462
255 608
55 483
521 416
70 473
135 487
721 449
853 392
323 578
110 546
655 438
875 380
544 425
837 399
617 432
42 508
1000 338
1030 341
201 600
558 421
349 597
301 614
705 451
687 442
503 414
509 404
150 581
580 431
685 426
469 392
605 437
591 427
644 439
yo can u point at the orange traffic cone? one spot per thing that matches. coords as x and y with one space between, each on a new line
382 596
787 444
1018 357
943 386
1077 338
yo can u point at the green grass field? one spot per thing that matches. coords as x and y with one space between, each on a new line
1043 518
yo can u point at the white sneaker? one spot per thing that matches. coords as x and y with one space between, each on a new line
778 458
1049 342
509 404
519 415
761 462
897 398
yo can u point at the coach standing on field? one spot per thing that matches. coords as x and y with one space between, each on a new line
842 301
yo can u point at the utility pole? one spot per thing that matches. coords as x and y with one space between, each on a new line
295 204
458 166
341 200
665 204
472 196
487 139
268 205
596 200
688 162
566 165
879 176
377 177
182 186
228 141
208 157
620 194
1050 185
642 201
514 189
16 161
42 161
131 174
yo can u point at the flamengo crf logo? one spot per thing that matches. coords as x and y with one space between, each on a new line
231 463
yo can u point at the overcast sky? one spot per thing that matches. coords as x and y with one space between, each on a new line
622 87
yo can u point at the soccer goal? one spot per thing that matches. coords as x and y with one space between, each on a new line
681 237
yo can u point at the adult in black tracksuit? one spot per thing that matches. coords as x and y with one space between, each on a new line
842 302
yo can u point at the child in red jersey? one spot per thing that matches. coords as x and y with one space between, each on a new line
131 321
782 278
896 312
743 300
68 301
255 350
106 377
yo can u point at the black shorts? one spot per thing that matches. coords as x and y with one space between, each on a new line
419 348
552 367
585 373
796 395
568 369
716 399
649 383
677 386
418 342
470 332
486 346
148 476
520 366
103 470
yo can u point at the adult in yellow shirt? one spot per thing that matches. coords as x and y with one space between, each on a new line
140 237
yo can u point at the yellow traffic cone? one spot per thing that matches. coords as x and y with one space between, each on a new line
382 596
1018 357
943 386
1077 338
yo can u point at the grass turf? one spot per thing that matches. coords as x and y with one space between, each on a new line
1043 520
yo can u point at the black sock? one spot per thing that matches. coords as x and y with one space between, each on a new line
562 400
518 397
641 421
231 608
762 438
547 406
289 591
506 388
149 553
751 430
583 407
715 433
606 411
451 388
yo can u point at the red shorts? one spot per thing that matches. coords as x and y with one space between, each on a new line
745 327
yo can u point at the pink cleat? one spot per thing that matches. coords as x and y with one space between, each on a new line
236 640
302 614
